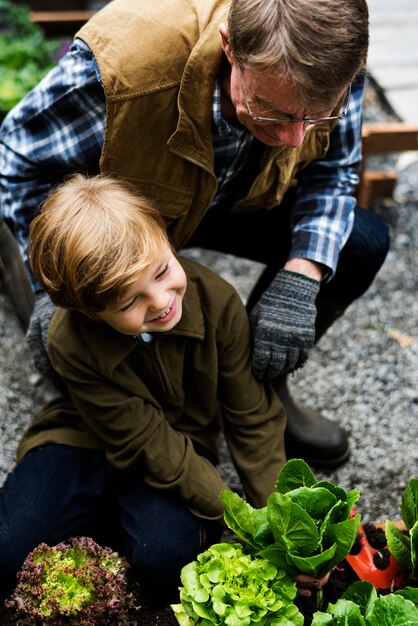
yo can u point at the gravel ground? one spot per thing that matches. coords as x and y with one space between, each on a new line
363 373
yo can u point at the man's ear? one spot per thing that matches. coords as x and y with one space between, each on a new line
225 43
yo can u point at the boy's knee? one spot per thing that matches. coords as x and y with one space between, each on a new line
158 564
158 567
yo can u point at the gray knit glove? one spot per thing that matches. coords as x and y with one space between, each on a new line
283 323
37 336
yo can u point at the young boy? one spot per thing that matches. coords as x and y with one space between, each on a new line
154 354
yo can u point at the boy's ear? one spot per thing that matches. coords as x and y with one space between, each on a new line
226 46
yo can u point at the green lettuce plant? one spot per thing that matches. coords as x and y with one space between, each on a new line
225 586
78 582
360 605
305 527
404 548
25 54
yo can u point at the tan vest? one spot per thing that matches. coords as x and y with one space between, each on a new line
159 62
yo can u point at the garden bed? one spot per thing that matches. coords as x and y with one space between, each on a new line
341 578
307 526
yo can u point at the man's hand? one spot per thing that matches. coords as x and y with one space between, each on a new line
307 584
283 322
37 336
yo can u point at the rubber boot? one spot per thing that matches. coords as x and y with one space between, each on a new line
309 435
14 277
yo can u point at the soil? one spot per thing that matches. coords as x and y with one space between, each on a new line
341 578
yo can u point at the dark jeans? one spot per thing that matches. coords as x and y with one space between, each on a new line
265 236
57 492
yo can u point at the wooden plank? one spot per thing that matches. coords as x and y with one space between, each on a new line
379 138
57 23
61 16
375 185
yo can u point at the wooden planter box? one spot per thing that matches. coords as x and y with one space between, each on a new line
380 139
57 23
71 15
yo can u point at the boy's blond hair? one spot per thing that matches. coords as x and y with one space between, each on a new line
92 240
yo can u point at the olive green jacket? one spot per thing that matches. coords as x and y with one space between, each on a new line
159 62
144 403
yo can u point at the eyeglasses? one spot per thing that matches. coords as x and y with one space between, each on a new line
289 119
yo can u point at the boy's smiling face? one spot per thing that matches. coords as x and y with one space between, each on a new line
154 303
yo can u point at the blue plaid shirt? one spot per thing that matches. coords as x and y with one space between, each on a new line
59 127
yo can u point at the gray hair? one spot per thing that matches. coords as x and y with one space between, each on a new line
320 45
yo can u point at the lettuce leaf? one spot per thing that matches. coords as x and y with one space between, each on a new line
409 503
294 474
399 545
404 548
249 524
